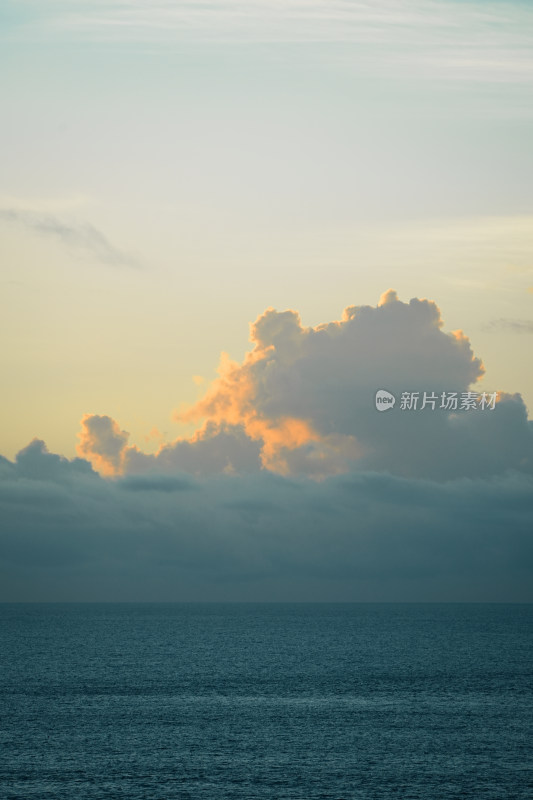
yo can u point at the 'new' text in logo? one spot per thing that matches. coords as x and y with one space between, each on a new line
384 400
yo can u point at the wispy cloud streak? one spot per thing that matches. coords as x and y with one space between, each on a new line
468 40
513 325
80 236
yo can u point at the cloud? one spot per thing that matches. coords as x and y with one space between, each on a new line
103 442
213 449
324 380
67 534
512 325
302 402
35 462
80 236
424 39
410 506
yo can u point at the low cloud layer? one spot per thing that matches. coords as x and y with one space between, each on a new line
303 403
69 534
294 487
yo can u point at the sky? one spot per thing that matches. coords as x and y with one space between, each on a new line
224 226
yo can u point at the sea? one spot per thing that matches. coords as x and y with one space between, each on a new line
270 701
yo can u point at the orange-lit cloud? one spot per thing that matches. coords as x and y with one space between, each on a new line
302 403
103 443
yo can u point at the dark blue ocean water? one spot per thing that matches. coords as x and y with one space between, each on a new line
266 701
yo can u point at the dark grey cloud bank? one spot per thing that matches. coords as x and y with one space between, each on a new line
67 534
